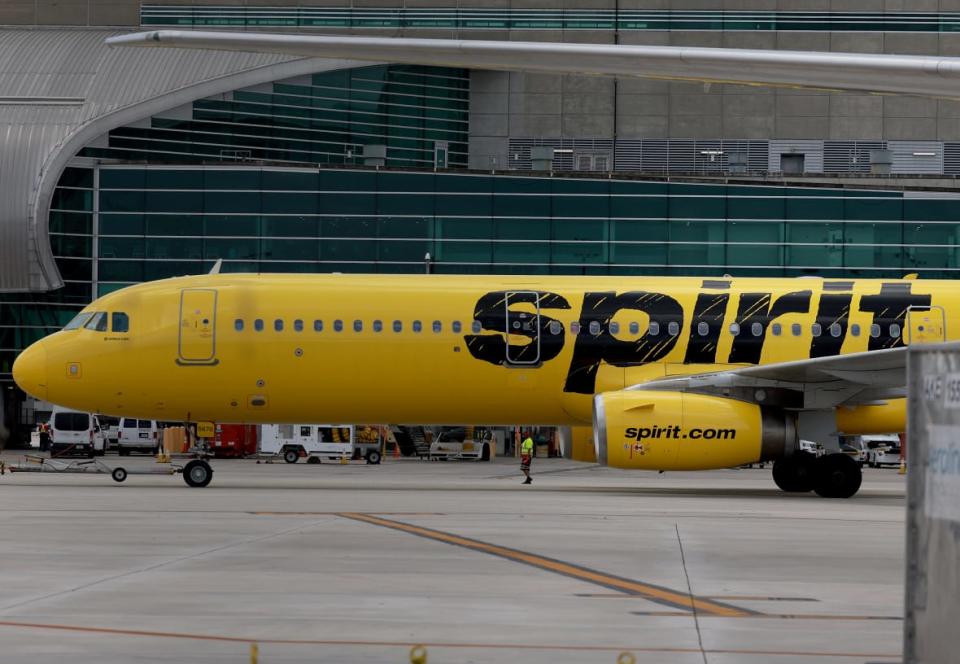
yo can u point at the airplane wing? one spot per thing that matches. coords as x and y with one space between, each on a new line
823 382
930 76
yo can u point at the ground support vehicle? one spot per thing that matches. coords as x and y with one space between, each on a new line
314 442
461 445
138 436
882 450
196 473
74 433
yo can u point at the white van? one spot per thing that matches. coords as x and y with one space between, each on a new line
313 441
135 435
73 432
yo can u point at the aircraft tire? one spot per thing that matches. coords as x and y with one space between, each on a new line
197 473
291 456
837 476
795 474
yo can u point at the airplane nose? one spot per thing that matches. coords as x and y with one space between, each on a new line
30 371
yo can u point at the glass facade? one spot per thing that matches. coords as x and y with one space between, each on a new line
28 317
413 112
279 17
114 225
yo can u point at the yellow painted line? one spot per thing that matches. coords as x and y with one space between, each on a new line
659 594
114 631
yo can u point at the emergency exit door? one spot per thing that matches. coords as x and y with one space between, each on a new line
926 325
198 317
523 328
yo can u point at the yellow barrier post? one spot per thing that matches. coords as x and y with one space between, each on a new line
418 655
254 653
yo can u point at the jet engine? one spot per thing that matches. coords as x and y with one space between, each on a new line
652 430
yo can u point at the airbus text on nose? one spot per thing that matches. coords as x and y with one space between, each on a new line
30 371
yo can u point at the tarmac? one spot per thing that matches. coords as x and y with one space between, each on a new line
357 563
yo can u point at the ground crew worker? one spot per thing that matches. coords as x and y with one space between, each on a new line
44 436
526 454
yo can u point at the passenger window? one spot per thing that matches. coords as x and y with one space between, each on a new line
78 321
318 326
258 325
358 326
437 327
614 327
654 328
575 327
555 327
874 330
673 328
594 327
776 329
796 329
298 325
455 327
121 322
98 323
703 329
238 325
378 326
476 327
816 329
305 431
417 326
397 326
278 325
855 329
894 331
734 329
835 330
338 325
756 330
634 327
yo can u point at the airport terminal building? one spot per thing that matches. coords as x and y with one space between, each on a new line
119 166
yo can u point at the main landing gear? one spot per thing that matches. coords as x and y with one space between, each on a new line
830 476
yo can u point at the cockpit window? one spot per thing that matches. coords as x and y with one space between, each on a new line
98 323
121 322
78 321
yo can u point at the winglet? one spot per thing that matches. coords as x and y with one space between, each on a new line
216 266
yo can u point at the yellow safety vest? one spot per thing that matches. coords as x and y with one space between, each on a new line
526 447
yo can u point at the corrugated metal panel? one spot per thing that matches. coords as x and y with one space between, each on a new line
56 86
916 157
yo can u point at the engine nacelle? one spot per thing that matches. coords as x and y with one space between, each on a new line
652 430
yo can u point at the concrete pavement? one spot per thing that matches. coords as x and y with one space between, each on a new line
350 563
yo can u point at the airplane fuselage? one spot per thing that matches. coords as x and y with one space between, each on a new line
451 349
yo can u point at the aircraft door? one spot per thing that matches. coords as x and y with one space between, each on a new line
926 325
523 328
198 317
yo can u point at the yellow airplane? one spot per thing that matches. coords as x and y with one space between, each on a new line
669 373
